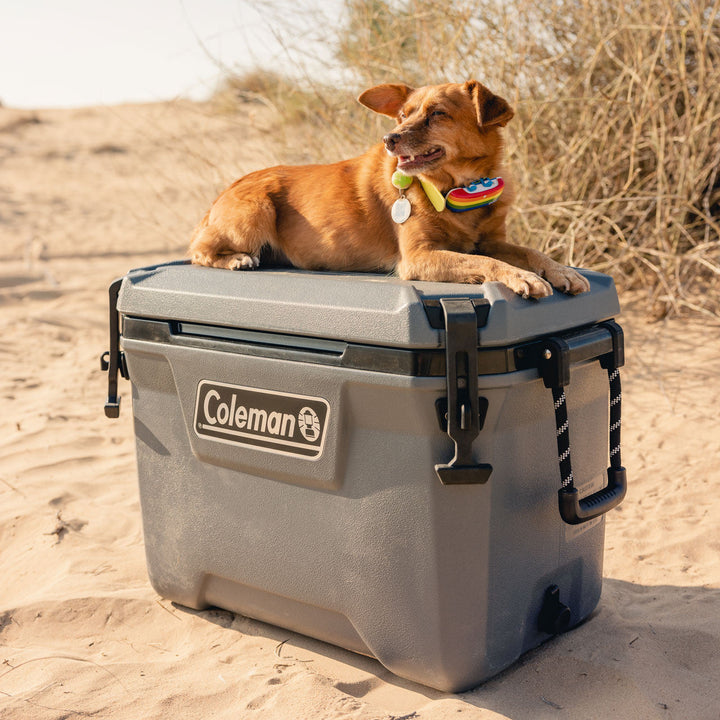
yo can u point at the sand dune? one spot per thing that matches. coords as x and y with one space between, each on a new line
86 195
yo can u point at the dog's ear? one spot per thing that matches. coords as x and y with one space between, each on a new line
491 109
386 99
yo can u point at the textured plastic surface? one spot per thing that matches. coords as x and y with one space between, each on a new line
362 546
364 308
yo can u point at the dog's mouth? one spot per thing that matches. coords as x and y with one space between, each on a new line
418 162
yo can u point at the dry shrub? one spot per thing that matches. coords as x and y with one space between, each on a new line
615 147
619 164
270 88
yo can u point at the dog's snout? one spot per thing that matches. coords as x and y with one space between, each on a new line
391 140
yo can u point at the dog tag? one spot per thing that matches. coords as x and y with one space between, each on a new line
401 210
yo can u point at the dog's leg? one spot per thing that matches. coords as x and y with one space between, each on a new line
559 276
212 249
448 266
233 234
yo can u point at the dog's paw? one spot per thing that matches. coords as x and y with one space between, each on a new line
527 284
235 261
242 261
567 280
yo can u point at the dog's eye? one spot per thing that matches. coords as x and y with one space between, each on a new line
438 113
402 115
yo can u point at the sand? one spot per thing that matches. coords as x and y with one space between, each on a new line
87 194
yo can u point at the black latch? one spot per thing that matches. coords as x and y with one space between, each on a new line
463 404
113 361
122 365
436 315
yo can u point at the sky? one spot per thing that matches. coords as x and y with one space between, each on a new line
73 53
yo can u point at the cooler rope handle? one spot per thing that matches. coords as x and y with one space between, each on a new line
572 509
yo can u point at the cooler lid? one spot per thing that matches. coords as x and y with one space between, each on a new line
354 307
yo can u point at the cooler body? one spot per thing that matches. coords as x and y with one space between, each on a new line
288 430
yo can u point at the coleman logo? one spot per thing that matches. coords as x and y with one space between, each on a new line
261 419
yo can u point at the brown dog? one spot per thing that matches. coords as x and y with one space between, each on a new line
340 217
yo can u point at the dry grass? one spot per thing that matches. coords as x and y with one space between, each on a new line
615 147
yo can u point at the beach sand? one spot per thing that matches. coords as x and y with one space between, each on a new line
86 195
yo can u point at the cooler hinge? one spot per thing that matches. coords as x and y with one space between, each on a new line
463 404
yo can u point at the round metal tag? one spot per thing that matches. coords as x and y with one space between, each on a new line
401 210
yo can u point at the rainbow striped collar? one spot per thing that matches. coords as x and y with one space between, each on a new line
477 194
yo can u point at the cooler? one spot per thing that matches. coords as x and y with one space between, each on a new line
380 464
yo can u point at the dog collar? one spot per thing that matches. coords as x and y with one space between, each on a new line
477 194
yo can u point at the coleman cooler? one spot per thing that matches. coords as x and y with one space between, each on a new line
380 464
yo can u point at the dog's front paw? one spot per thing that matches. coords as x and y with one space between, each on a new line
527 284
568 280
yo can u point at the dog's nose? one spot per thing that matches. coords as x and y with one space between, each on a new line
391 140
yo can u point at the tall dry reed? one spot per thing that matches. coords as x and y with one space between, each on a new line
615 147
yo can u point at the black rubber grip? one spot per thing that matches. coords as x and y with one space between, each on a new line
575 511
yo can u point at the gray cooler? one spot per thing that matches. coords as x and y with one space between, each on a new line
380 464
